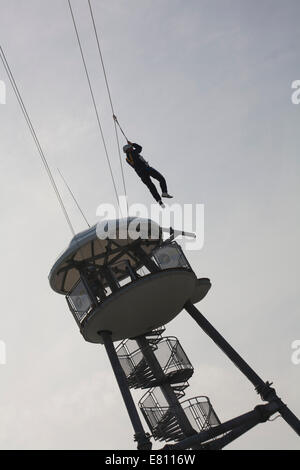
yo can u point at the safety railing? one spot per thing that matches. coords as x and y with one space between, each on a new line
79 302
170 355
200 413
162 419
170 255
89 291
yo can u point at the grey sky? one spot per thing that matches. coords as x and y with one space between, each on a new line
205 87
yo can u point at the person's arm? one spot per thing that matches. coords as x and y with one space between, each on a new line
137 147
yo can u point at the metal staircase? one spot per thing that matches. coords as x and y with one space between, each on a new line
160 364
160 417
173 360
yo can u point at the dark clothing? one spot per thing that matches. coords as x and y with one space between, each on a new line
156 175
135 160
145 171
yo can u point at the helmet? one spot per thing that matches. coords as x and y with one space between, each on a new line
127 147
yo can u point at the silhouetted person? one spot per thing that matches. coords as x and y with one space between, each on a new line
145 171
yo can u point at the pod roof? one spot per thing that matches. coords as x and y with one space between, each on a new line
102 245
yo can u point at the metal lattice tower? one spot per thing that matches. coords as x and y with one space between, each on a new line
113 299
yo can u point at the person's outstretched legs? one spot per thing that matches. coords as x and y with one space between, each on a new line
147 181
156 175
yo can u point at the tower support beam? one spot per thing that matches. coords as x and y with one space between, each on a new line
221 442
265 390
260 414
141 437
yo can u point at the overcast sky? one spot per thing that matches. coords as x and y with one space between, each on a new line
205 87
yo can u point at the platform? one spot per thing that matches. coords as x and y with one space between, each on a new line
202 287
141 306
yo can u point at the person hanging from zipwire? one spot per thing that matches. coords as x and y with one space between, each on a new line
145 171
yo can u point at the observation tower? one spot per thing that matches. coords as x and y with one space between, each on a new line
125 287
